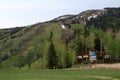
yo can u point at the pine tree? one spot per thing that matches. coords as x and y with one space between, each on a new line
52 57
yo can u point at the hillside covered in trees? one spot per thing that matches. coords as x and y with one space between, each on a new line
56 43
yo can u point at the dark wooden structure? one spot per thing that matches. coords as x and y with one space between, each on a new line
97 58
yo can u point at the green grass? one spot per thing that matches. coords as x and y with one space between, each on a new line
37 74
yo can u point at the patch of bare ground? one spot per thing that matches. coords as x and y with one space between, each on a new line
103 77
114 66
107 66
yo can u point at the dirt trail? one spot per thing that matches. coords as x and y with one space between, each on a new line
114 66
103 77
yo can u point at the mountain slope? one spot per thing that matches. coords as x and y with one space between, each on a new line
28 46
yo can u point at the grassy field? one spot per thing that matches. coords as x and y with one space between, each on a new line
36 74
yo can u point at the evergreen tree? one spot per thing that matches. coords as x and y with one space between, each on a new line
52 57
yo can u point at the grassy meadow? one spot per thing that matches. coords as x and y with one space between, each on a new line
38 74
